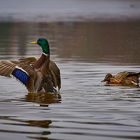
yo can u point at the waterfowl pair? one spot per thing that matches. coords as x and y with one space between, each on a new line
123 78
38 75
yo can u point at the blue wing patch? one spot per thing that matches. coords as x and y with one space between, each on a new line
21 75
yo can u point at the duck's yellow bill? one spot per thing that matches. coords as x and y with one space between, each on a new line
34 42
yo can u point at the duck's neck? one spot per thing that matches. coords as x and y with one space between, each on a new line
46 50
43 60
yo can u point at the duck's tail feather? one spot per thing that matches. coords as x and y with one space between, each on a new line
135 83
21 75
133 74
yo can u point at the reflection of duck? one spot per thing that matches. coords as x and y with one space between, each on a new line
38 75
43 99
123 78
39 123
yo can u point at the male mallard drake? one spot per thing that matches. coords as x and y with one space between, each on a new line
38 75
123 78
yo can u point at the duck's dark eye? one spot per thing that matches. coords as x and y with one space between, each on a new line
39 41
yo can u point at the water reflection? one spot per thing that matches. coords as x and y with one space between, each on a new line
15 124
85 53
39 123
89 41
43 98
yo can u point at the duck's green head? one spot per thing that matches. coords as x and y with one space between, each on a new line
43 43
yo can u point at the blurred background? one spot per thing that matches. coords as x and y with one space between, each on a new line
68 10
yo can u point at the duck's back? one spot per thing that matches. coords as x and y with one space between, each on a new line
121 75
128 78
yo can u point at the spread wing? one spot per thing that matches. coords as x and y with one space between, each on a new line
6 68
9 69
22 68
25 61
55 74
54 70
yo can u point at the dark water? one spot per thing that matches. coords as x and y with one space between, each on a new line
85 52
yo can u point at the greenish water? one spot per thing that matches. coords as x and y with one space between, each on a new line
85 52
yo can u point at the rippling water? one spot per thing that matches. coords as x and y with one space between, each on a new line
85 52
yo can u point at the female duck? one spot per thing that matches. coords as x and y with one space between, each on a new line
38 75
123 78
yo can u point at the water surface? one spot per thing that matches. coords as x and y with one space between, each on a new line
85 52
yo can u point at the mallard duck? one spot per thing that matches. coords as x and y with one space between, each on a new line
38 75
123 78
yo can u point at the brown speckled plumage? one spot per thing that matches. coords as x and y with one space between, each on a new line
122 78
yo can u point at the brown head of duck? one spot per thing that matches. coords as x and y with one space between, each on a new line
107 78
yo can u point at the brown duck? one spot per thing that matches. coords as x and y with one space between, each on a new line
38 75
123 78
